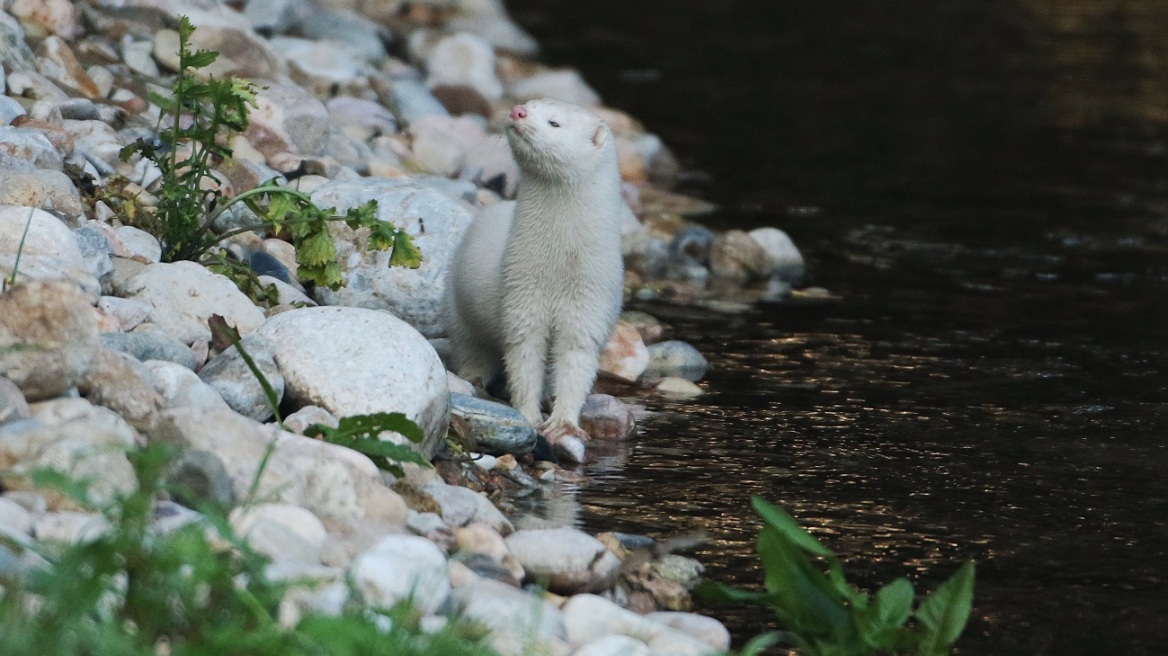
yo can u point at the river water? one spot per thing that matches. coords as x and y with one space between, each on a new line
985 187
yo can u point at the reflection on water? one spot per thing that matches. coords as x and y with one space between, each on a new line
992 197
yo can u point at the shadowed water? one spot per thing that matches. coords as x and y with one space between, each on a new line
985 187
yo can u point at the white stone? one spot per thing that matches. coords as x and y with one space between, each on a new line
355 361
140 243
185 295
128 312
29 143
50 250
587 616
672 387
70 527
95 138
14 518
783 252
569 559
436 224
614 645
281 531
707 629
565 85
520 622
182 388
400 568
287 118
461 505
441 143
464 59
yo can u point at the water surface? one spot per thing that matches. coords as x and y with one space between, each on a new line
985 185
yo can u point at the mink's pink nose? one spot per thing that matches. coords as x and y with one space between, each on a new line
518 112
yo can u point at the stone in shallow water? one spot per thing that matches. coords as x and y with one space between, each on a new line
495 428
676 358
625 355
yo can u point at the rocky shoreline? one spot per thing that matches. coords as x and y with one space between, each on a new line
105 348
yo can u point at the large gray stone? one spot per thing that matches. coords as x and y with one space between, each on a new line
519 621
401 568
235 382
568 559
151 345
436 224
676 358
287 119
588 616
123 384
355 361
185 295
50 250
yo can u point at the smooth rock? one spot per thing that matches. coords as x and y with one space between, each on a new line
70 527
281 531
606 417
614 645
15 519
345 29
242 52
625 355
496 428
50 251
319 66
287 119
30 144
464 59
440 143
410 100
123 384
96 251
73 437
678 359
489 163
15 55
9 108
185 295
672 387
200 477
235 382
46 189
13 405
736 257
414 295
461 506
786 260
568 559
151 345
587 616
56 61
181 387
128 313
48 337
478 538
351 361
360 118
96 140
139 244
488 19
520 622
41 18
707 629
679 569
299 421
400 568
689 252
338 485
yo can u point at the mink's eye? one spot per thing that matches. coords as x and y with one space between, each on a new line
553 124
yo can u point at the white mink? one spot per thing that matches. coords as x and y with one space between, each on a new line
535 286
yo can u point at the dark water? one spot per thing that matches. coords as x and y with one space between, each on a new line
985 184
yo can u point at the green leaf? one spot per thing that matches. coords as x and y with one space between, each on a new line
945 613
718 593
778 519
881 622
805 598
760 642
362 434
316 249
201 58
404 252
382 236
75 489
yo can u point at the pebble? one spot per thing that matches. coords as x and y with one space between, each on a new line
606 417
672 387
401 567
625 355
233 379
737 257
786 260
463 59
281 531
567 559
48 337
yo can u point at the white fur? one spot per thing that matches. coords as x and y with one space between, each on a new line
536 284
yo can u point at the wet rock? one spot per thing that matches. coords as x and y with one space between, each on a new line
679 569
606 417
679 389
678 359
521 623
13 406
496 428
48 337
625 355
75 438
569 560
689 251
287 119
436 224
370 362
235 382
786 260
648 327
587 616
151 345
736 257
281 531
185 295
402 567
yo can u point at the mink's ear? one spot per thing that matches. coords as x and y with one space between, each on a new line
600 136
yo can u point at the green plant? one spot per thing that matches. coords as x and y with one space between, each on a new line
361 433
11 280
823 615
197 590
202 114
